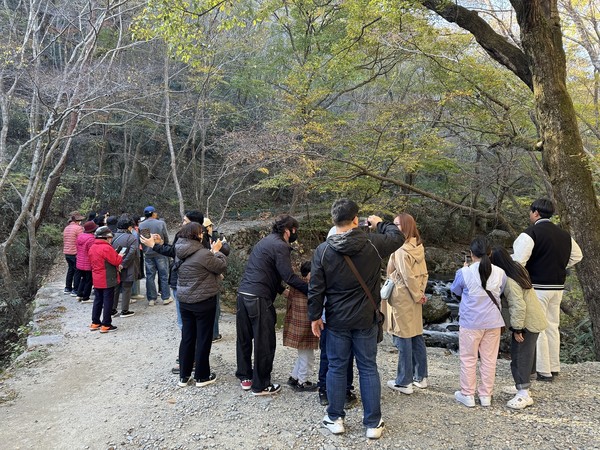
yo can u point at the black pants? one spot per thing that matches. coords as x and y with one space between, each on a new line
71 283
324 365
123 290
103 300
255 320
85 284
523 359
196 337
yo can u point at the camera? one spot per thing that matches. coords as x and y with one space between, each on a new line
363 222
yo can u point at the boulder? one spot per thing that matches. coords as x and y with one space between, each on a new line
435 310
501 238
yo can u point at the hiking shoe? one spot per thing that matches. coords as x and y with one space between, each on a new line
106 329
269 390
127 313
541 377
307 386
87 300
467 400
206 381
375 433
519 402
420 384
292 382
510 389
183 382
95 326
246 384
151 302
397 387
335 426
351 399
167 301
485 400
323 400
217 338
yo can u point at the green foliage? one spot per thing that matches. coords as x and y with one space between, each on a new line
577 342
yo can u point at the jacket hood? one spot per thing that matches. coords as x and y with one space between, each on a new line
414 251
349 243
186 247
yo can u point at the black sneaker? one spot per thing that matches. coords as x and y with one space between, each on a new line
351 399
114 312
323 400
292 382
206 381
269 390
67 291
107 329
183 382
307 386
541 377
127 313
217 338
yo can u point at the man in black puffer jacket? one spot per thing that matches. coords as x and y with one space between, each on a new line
351 318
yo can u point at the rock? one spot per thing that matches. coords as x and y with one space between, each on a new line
48 339
501 237
435 310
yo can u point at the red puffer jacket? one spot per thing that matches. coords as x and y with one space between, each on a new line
105 261
84 242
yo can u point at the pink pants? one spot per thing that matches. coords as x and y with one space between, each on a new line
486 343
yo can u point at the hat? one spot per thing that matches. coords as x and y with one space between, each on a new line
149 209
89 227
76 216
207 222
103 233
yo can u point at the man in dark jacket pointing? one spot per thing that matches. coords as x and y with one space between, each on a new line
351 319
268 266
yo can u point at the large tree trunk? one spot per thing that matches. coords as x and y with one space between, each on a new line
564 158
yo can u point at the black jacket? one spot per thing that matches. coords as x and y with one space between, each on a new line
270 264
169 250
347 306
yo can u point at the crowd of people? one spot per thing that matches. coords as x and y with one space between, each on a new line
334 303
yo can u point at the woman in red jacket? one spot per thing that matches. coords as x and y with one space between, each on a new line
106 264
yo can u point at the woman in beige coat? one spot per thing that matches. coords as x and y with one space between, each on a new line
527 320
404 308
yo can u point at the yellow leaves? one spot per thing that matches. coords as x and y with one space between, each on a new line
263 170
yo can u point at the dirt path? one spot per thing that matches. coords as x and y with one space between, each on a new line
92 391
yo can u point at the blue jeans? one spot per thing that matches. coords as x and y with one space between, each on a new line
158 264
340 345
324 365
178 308
412 359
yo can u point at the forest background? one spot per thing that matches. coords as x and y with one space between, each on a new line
461 114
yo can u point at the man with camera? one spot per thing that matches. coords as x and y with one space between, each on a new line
351 317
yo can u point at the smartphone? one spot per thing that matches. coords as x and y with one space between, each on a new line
468 259
145 232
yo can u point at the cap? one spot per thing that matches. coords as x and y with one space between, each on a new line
207 222
103 233
76 216
89 227
149 209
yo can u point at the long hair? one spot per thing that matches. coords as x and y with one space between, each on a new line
284 222
192 230
481 248
513 269
409 227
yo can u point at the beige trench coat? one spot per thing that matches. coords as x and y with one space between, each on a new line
407 267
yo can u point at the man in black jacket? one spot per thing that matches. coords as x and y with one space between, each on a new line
351 318
269 264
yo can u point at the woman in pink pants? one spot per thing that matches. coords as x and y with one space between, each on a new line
479 285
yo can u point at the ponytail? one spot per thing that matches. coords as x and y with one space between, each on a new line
481 248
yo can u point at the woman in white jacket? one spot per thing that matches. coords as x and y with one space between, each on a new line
404 308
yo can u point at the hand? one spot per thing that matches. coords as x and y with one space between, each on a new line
286 293
216 246
148 242
120 267
423 300
518 336
157 238
373 220
317 326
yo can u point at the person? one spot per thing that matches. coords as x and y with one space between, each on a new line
547 252
213 236
351 316
106 264
404 308
155 262
298 334
84 242
135 289
124 239
198 283
70 233
268 266
527 320
480 319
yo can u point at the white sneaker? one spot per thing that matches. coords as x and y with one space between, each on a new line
420 384
396 387
151 303
485 400
510 389
467 400
167 301
138 296
375 433
519 402
335 426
